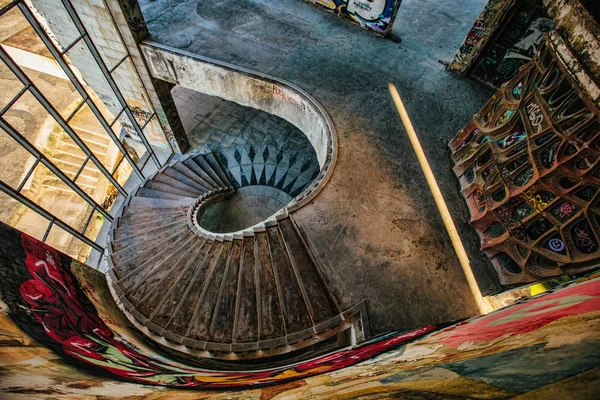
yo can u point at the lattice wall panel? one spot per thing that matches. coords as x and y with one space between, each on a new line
528 165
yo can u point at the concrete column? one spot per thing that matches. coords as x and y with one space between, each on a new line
132 26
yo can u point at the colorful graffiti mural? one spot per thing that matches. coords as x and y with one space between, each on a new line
528 165
374 15
44 293
505 36
480 33
548 345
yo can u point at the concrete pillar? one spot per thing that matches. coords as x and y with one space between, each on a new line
132 26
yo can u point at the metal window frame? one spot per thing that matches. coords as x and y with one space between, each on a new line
108 75
49 216
29 86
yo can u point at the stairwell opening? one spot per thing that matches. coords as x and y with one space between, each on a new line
267 159
246 207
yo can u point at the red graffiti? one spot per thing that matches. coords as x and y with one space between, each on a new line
54 300
527 317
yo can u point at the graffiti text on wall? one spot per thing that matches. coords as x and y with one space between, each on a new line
375 15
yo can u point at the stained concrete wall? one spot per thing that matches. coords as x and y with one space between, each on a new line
98 22
62 334
244 87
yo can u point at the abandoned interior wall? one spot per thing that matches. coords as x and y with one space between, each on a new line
61 334
98 21
529 161
373 15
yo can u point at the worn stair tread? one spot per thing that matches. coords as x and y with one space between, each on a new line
143 251
246 319
221 330
156 194
131 232
166 179
132 219
173 173
124 238
182 316
141 248
159 203
202 161
321 302
200 172
218 168
137 270
154 296
168 306
145 284
270 314
163 187
191 174
199 326
295 312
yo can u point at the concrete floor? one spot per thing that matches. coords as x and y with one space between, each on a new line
374 227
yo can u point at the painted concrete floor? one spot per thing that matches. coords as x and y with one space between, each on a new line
374 227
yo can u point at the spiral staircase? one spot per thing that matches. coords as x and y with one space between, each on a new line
254 293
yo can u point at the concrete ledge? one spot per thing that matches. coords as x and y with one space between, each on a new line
253 89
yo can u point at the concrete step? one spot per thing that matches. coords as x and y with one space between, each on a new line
245 327
142 251
134 218
97 136
200 173
128 258
160 203
162 282
135 275
199 326
321 304
270 314
218 168
187 303
191 174
130 231
99 150
170 304
178 176
150 235
163 187
222 324
206 167
295 311
90 136
144 285
178 184
158 194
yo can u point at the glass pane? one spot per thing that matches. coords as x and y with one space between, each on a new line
155 134
130 140
63 241
96 185
133 91
123 172
49 192
99 25
9 83
90 75
56 22
15 161
22 217
33 122
92 133
29 52
94 226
